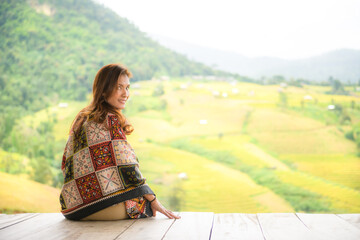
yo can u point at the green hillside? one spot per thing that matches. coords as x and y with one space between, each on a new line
51 50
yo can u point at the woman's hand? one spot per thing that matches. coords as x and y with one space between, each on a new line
157 206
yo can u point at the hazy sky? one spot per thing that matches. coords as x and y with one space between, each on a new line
278 28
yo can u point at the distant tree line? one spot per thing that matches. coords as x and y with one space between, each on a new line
337 87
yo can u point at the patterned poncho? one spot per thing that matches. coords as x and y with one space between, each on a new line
101 169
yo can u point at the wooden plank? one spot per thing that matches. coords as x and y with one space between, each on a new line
191 226
148 228
278 226
353 219
236 226
85 230
7 220
55 226
330 226
30 226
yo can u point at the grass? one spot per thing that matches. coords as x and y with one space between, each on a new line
288 133
251 156
343 199
279 131
300 199
339 168
19 194
13 163
62 118
210 186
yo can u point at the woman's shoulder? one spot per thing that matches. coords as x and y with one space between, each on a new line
108 126
108 120
112 120
92 124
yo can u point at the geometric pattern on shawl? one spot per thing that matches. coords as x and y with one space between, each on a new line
100 168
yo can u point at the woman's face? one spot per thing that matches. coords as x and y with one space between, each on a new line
121 93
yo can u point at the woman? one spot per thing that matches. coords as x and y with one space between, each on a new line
102 180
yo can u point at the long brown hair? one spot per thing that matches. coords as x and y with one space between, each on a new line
105 83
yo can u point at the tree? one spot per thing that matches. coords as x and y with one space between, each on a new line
337 87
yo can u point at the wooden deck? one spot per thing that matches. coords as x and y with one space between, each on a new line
192 225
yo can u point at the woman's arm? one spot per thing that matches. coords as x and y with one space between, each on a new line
157 206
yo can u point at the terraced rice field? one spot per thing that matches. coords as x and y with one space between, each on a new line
341 198
339 168
208 185
275 138
229 147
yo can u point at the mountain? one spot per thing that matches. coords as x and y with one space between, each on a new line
51 50
61 44
342 64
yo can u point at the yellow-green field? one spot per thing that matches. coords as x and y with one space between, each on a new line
340 168
239 149
209 186
275 138
19 194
